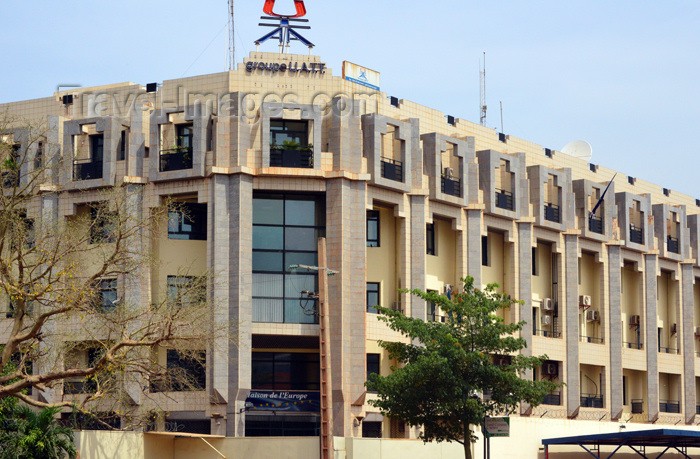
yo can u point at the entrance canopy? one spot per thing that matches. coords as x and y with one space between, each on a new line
668 440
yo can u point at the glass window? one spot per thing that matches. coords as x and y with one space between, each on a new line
187 371
534 262
186 291
97 143
372 297
185 134
188 222
285 133
371 429
430 239
107 295
268 211
122 146
372 228
268 237
299 213
285 371
372 365
102 225
484 250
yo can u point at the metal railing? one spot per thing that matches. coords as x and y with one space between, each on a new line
302 159
668 350
392 169
672 244
595 224
638 346
591 339
553 398
637 406
591 401
552 212
669 406
636 235
87 169
175 159
504 199
451 186
547 334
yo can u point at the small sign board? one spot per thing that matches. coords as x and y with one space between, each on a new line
496 427
361 75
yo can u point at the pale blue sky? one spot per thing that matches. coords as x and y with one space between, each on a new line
622 75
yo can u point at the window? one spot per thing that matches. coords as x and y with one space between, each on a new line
534 262
371 429
188 221
372 365
372 228
185 135
286 229
102 225
187 371
430 239
624 390
373 298
106 298
39 156
484 250
285 371
97 143
186 291
123 145
285 134
259 425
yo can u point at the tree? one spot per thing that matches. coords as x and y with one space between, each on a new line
74 312
29 435
447 367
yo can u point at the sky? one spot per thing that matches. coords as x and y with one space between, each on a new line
622 75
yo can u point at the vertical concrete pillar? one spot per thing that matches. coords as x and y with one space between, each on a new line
231 258
615 333
650 291
525 282
573 370
474 245
346 243
418 248
688 346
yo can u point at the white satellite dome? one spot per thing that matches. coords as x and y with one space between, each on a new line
579 149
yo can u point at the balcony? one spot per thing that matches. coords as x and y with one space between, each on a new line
451 186
547 334
175 159
553 398
636 235
672 245
668 350
595 224
591 401
669 406
591 339
87 169
392 169
552 212
301 158
637 406
504 199
638 346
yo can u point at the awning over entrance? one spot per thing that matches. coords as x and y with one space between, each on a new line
668 440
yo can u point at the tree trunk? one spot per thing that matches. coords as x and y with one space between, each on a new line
467 442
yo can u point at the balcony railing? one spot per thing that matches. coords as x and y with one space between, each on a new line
504 199
302 159
673 245
552 212
636 235
87 169
595 224
451 186
591 339
668 350
553 398
392 169
547 334
591 401
669 406
638 346
637 406
175 159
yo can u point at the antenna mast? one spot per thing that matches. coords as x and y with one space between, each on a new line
231 38
482 104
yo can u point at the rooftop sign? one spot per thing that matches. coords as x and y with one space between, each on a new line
361 75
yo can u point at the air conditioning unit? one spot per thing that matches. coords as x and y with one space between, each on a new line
585 300
592 316
550 369
697 332
674 329
546 320
635 321
548 304
449 172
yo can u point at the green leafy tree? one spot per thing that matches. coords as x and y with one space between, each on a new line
25 434
447 367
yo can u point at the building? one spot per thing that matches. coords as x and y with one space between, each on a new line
271 156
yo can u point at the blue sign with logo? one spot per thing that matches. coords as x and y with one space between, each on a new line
264 400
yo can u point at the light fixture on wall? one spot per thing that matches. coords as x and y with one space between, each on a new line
357 421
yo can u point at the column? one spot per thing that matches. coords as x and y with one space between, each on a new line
650 292
615 334
573 370
688 346
474 245
417 249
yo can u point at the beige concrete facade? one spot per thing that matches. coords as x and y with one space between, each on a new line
612 300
